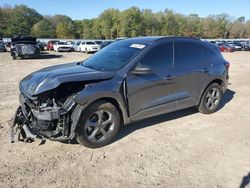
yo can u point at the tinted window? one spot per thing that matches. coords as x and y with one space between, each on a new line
187 53
90 43
62 43
98 42
159 57
207 53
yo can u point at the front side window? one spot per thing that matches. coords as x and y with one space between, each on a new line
159 57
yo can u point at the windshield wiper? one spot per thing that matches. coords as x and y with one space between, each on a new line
91 67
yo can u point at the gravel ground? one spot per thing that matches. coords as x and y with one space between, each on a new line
181 149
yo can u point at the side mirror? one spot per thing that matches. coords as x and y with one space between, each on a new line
141 69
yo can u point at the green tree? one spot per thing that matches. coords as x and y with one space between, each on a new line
43 29
150 24
21 20
131 23
65 27
87 29
78 28
65 30
108 23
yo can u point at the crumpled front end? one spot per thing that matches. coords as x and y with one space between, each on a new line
48 97
50 119
48 115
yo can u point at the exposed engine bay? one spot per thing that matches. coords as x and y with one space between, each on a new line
47 115
24 47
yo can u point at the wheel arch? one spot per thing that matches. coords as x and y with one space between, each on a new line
116 102
217 80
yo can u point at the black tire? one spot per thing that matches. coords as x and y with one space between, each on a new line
210 102
90 131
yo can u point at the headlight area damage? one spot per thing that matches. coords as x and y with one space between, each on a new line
51 114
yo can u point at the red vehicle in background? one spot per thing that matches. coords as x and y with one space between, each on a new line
225 48
50 44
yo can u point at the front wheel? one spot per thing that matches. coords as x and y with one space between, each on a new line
211 99
98 125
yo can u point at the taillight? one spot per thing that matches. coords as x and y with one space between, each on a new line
227 64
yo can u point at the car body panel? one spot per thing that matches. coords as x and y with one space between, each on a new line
51 77
137 96
147 91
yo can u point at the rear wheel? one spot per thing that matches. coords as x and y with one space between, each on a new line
211 99
98 125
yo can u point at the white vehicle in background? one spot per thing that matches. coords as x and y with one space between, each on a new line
63 47
76 46
89 46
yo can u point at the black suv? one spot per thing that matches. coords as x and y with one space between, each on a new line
127 81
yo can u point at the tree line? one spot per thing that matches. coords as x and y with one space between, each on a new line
113 23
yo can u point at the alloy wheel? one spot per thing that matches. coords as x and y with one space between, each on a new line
99 125
212 98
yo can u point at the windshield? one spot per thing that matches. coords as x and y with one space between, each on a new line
98 42
90 43
62 43
114 56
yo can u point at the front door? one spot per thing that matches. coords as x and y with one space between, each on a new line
154 91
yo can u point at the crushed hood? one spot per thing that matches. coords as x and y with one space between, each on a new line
51 77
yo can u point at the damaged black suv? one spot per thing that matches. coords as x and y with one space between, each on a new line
127 81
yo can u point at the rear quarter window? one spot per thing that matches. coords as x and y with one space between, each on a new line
187 53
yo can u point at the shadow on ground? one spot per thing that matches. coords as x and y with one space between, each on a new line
227 97
46 55
128 129
245 181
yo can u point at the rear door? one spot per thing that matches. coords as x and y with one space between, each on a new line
191 71
155 90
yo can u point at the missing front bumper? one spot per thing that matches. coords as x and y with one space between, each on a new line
21 128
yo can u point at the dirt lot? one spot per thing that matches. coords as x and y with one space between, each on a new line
181 149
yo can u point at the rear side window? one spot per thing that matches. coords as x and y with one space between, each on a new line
187 53
159 57
208 53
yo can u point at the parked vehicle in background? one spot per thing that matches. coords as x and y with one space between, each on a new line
50 44
106 43
129 80
24 47
99 42
245 46
120 38
225 48
89 46
41 45
63 47
234 46
8 46
2 46
76 46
